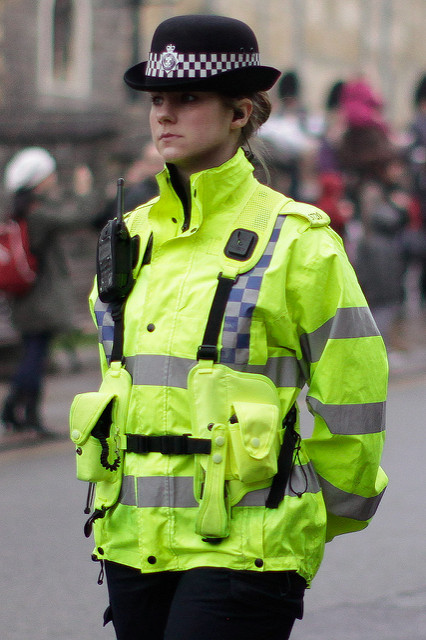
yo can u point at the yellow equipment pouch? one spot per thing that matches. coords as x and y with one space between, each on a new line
97 426
87 411
240 412
254 441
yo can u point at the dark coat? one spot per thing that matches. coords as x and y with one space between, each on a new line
49 306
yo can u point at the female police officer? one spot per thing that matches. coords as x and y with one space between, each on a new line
216 513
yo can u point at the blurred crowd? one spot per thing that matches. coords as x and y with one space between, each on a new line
369 177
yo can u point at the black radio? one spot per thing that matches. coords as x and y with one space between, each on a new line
116 255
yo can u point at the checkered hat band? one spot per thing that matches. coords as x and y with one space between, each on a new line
241 304
197 65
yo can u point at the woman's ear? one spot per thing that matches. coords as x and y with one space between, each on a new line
242 111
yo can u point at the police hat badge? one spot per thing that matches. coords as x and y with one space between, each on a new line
169 59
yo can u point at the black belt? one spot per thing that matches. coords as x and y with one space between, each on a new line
169 445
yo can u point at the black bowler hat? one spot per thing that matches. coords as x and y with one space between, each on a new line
202 53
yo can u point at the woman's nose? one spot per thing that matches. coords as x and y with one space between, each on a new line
165 112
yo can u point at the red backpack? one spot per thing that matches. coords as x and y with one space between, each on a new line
18 266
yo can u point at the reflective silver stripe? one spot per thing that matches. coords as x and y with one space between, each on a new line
158 491
303 480
172 371
348 505
351 419
351 322
167 371
284 371
178 492
128 491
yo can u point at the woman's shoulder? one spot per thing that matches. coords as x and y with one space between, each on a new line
302 211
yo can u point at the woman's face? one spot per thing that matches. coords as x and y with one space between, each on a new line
194 130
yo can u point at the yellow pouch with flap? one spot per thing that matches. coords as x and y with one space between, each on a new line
248 405
87 410
240 413
103 412
254 443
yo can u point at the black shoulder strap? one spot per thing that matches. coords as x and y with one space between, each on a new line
117 311
209 350
245 246
285 461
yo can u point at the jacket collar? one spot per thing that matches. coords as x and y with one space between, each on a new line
212 191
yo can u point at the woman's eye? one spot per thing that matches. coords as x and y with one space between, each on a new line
156 100
188 97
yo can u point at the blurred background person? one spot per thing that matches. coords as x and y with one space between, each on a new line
380 261
331 184
376 181
416 245
290 141
46 310
140 184
333 199
365 145
332 130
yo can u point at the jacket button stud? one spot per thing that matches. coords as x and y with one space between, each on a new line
210 426
101 551
152 559
255 443
220 441
151 327
79 451
258 562
217 458
76 434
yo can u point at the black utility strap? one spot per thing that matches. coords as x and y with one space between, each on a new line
285 461
117 307
208 350
168 445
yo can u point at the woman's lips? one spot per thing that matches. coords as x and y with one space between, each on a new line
167 136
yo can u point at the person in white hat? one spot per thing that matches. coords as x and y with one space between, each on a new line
210 512
30 178
28 169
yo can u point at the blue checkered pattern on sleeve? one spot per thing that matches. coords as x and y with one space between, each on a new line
105 326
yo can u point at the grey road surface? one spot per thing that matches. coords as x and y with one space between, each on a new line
371 586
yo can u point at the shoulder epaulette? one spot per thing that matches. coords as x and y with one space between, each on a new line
316 217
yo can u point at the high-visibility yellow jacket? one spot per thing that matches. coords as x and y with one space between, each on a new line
297 317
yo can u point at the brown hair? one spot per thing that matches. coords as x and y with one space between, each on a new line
260 114
254 149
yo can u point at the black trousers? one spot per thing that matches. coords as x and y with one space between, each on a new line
203 604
